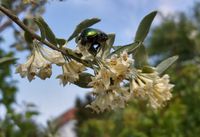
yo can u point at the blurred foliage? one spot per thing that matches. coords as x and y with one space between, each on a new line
26 12
175 35
14 124
19 123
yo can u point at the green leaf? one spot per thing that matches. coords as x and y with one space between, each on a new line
42 29
116 47
144 27
6 59
27 21
130 48
148 69
140 56
28 37
111 39
84 80
6 3
81 26
48 32
109 44
61 42
165 64
30 114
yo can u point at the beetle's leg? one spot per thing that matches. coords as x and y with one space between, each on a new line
92 50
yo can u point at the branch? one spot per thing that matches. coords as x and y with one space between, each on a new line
20 8
5 25
65 51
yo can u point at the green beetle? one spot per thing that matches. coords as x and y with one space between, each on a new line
94 38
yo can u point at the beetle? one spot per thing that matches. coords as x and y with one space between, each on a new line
94 38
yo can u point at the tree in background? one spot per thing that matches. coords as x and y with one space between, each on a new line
16 124
177 35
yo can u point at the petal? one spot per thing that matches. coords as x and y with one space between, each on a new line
45 72
22 69
53 56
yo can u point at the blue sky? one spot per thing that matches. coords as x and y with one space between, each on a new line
118 16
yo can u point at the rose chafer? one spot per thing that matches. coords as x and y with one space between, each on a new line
93 38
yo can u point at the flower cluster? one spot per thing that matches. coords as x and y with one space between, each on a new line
115 82
153 88
110 92
40 64
71 71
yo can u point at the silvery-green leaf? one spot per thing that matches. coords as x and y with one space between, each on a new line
148 69
109 44
130 48
81 26
144 27
28 37
165 64
84 80
48 32
42 29
140 56
61 42
116 47
6 3
6 59
111 39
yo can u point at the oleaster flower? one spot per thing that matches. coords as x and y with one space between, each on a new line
110 99
84 50
108 92
120 66
39 63
52 56
153 88
71 71
102 80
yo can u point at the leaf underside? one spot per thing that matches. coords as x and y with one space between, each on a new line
81 26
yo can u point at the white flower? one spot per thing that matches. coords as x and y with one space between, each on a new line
35 65
107 84
120 66
156 90
71 71
45 72
107 91
51 55
102 79
23 69
110 99
39 63
125 59
84 50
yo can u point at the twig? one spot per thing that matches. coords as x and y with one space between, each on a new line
65 51
5 25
